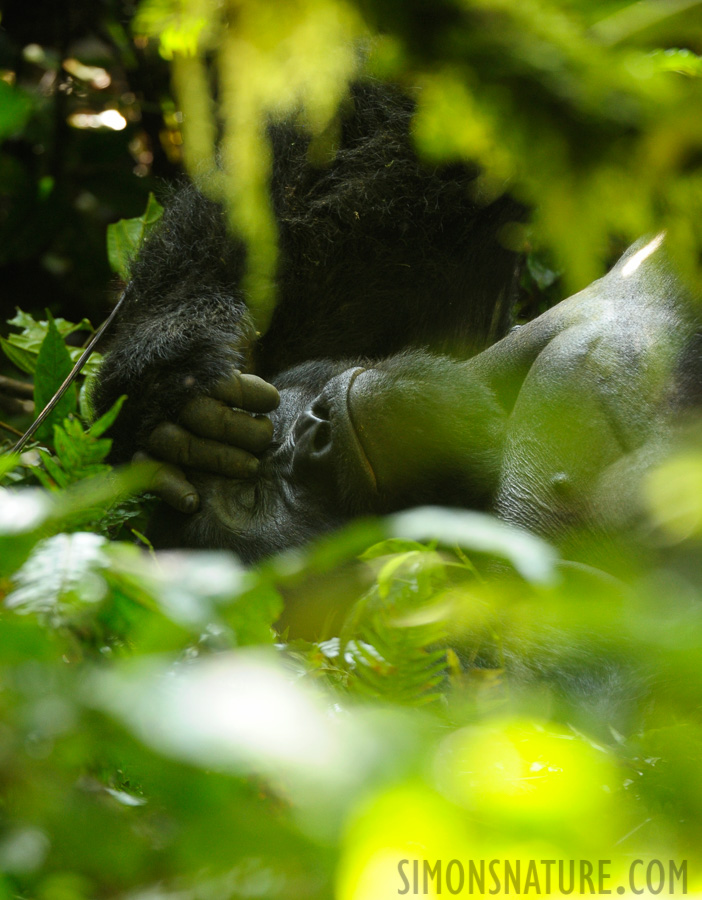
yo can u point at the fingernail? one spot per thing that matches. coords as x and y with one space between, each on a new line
190 503
253 465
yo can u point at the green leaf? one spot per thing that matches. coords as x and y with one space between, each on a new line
62 569
100 426
8 461
15 110
25 360
532 557
22 319
393 545
91 365
53 470
90 372
34 330
53 365
684 61
22 349
124 238
68 449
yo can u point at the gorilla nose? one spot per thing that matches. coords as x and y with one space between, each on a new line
312 432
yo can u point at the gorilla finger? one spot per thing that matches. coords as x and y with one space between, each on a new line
247 392
176 445
170 484
210 418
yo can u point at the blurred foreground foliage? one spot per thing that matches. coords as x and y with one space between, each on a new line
176 725
588 111
482 699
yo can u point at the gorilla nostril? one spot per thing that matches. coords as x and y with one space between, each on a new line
320 408
313 438
320 437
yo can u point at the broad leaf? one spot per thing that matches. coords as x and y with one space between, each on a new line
62 569
23 348
25 360
53 366
125 237
532 557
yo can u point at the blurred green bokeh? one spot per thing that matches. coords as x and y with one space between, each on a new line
483 699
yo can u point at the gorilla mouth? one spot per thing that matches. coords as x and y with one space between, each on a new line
356 430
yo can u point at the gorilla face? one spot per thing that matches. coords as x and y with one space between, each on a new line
293 495
312 479
349 440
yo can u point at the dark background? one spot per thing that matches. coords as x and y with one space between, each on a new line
60 185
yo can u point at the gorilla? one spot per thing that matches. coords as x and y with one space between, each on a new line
389 377
388 355
378 252
551 428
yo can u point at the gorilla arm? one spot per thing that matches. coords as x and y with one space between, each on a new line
571 404
594 408
182 336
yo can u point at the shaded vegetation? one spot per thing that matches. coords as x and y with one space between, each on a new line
482 698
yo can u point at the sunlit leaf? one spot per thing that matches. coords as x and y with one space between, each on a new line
63 569
237 712
124 238
533 558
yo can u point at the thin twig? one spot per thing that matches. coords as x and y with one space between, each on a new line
15 388
44 414
9 428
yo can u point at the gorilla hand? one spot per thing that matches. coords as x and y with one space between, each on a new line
215 433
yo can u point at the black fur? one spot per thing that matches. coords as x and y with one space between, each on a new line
377 252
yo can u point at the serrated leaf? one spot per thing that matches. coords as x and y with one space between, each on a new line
22 349
33 331
124 238
67 449
22 319
53 470
97 450
53 365
43 478
684 61
105 421
92 363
